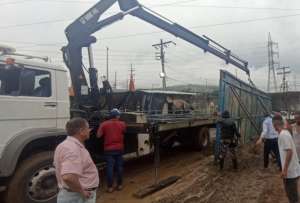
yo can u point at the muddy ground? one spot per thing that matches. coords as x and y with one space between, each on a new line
201 181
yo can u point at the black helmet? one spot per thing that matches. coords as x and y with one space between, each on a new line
225 114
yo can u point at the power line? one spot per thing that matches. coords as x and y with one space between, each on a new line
34 43
201 26
121 55
85 2
172 4
154 5
157 32
181 81
35 23
185 73
15 2
147 33
237 7
62 1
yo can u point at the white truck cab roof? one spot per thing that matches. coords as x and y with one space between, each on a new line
9 55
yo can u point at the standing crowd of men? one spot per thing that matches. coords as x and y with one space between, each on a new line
78 178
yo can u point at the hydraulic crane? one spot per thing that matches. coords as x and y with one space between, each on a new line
79 35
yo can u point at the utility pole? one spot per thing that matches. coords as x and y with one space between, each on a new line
272 63
295 83
161 56
115 84
107 72
284 85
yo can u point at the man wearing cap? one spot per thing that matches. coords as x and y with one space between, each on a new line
113 131
229 139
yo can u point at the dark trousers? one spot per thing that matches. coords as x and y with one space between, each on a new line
291 189
271 145
227 146
114 161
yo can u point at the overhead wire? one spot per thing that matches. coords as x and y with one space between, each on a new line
237 7
63 20
208 25
181 81
233 22
180 73
14 2
184 4
157 32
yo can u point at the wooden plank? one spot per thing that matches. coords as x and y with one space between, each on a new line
154 188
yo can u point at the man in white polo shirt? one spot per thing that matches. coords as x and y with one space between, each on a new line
289 160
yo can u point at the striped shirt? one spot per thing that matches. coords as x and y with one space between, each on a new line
71 157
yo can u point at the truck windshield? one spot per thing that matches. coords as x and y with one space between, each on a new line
16 80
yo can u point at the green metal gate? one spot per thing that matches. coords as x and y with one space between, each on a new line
246 104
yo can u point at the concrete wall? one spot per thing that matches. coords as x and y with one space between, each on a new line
287 101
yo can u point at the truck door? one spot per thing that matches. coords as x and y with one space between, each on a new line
27 100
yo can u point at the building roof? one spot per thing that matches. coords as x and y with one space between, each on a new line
167 92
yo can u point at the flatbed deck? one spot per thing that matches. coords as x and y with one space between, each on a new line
168 122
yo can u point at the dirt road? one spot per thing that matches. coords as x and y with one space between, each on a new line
201 181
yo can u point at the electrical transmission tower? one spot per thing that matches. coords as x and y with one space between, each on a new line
131 85
271 62
161 56
107 65
115 83
284 87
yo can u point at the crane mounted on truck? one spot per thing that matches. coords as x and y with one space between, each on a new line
35 104
79 35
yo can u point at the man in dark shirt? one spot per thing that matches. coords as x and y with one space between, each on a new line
113 133
229 139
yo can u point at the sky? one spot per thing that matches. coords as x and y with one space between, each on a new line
36 27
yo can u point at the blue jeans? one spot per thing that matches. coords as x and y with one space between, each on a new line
65 196
114 161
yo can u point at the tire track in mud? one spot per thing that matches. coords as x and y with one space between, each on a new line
204 183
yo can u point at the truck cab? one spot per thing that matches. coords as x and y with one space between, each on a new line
34 106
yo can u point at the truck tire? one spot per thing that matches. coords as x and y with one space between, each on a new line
34 180
202 138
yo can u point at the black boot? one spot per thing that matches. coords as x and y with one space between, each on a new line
235 164
221 164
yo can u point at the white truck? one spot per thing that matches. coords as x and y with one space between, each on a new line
34 103
34 107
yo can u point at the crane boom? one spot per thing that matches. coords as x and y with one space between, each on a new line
79 35
187 35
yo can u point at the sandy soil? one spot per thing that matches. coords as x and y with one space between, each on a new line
201 180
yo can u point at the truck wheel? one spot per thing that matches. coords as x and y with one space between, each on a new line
34 181
202 138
